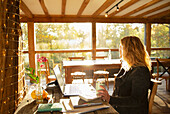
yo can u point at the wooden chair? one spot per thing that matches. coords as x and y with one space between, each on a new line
165 64
101 73
49 77
76 58
101 57
153 89
77 74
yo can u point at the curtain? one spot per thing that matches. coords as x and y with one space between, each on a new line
12 76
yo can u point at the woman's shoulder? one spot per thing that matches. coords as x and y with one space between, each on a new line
140 70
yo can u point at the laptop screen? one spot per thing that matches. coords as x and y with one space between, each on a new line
59 77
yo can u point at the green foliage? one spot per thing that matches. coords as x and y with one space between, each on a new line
54 36
31 73
24 35
160 35
109 34
160 38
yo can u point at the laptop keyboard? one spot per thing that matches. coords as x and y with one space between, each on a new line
74 89
81 89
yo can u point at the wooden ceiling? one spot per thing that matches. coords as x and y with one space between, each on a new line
135 11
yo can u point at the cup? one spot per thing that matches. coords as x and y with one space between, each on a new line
98 84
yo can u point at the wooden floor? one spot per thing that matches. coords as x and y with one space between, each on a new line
162 100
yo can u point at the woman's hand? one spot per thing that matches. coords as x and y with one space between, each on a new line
104 94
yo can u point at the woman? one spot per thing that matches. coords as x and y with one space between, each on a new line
133 80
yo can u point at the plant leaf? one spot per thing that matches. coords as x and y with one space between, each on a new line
37 79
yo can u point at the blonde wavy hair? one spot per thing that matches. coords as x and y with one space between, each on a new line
134 52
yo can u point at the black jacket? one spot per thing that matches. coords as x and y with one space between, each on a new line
131 91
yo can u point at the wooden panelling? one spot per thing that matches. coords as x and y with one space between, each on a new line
31 44
123 7
88 10
148 37
83 6
97 50
26 10
161 14
93 40
103 7
44 7
63 7
70 19
153 10
142 7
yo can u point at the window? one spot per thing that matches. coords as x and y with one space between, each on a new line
52 36
25 36
108 35
160 35
160 39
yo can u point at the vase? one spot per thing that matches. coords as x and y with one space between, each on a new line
39 93
39 90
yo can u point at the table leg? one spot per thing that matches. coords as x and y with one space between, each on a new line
68 77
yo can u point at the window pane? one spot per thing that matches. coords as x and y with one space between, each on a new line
26 65
24 36
52 36
160 53
55 58
108 35
160 35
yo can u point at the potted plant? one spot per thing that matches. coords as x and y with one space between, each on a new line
39 94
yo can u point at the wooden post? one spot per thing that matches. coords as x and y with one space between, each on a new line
93 40
148 37
31 45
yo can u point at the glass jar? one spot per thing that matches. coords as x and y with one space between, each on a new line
39 93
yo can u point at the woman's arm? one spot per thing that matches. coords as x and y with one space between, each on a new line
140 84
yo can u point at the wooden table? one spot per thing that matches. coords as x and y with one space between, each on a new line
29 106
72 66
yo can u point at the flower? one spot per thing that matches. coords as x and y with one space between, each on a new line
42 59
32 73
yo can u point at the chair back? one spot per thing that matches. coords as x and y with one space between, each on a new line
47 68
76 58
101 57
153 89
165 64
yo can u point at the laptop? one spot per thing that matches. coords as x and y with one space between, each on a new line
72 89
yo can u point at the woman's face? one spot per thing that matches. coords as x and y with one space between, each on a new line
120 51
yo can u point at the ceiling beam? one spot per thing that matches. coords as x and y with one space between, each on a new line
103 7
83 6
123 7
142 7
63 9
153 10
161 14
44 7
26 10
70 19
167 16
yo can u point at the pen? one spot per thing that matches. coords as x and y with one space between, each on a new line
87 104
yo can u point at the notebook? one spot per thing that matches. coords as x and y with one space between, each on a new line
49 107
72 89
